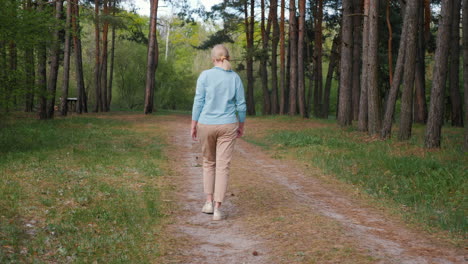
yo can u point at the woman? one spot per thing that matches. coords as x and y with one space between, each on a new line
219 94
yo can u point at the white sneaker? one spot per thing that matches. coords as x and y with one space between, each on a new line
218 214
207 208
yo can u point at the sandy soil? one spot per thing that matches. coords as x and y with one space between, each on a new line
281 211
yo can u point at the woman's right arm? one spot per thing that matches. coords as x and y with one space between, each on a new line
240 106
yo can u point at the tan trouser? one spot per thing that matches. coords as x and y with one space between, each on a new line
217 142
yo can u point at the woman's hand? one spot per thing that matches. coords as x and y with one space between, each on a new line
240 130
193 131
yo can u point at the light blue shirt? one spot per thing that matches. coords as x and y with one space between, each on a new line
219 95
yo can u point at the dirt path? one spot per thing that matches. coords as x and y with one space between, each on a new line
284 212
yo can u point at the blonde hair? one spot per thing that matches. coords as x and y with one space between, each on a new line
221 53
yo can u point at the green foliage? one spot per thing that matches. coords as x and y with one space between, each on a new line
65 194
430 185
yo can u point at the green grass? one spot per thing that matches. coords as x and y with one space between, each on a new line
431 185
79 190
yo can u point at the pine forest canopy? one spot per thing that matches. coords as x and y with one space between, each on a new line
371 63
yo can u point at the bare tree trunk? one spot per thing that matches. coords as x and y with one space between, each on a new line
465 66
357 55
103 71
152 60
42 73
29 71
293 58
420 106
346 64
274 56
363 100
97 55
390 49
282 105
436 105
374 122
263 63
392 96
318 77
54 62
454 67
78 58
111 71
66 62
406 116
334 57
300 60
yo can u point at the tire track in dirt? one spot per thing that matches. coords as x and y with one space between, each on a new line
388 241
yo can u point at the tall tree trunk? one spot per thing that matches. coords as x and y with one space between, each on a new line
29 71
363 98
103 72
66 62
318 78
282 104
293 58
406 115
300 60
13 80
78 57
357 55
54 61
111 70
398 74
390 48
465 66
346 64
263 63
97 55
334 57
420 106
454 67
375 124
3 73
42 73
436 105
152 60
274 56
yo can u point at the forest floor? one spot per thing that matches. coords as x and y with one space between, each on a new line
125 187
286 211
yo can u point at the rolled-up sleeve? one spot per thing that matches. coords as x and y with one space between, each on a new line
240 100
199 100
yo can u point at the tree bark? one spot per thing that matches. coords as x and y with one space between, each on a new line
357 55
293 58
374 122
363 100
29 71
249 31
42 74
334 57
300 60
344 109
392 96
420 106
111 70
436 105
103 71
465 66
318 77
97 55
54 62
152 59
66 62
263 63
454 67
274 56
390 39
81 104
406 115
282 105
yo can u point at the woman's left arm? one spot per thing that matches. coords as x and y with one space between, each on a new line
198 103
